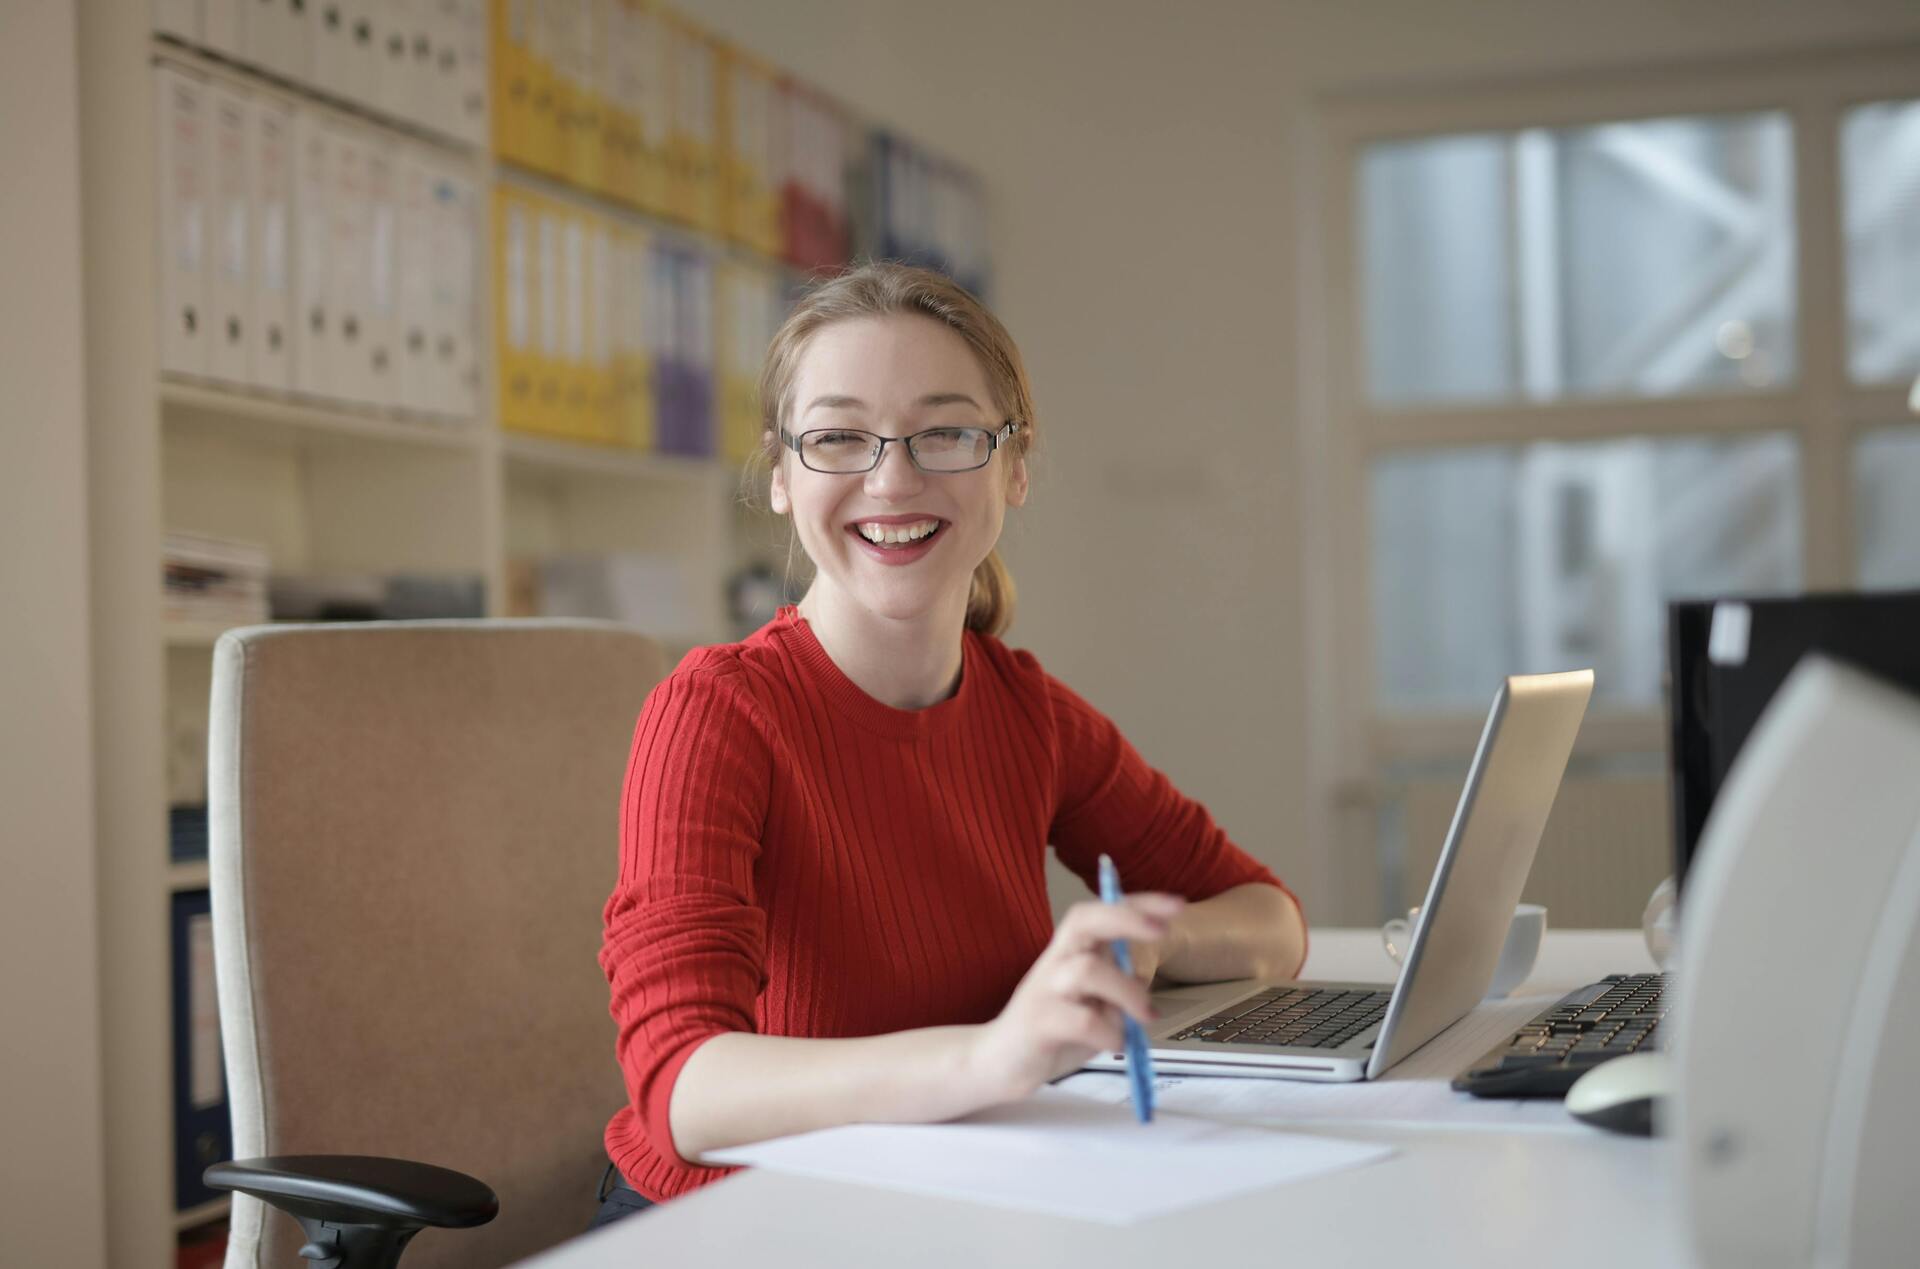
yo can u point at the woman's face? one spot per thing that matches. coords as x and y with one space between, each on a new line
894 376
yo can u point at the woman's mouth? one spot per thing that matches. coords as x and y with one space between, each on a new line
897 543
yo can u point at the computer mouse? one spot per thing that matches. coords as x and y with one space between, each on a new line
1624 1094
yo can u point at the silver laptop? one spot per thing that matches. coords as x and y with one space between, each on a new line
1356 1031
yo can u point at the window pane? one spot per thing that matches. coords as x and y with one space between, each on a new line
1642 259
1500 560
1886 508
1880 170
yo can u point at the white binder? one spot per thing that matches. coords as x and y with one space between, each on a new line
270 363
315 320
183 195
177 18
275 37
222 27
419 382
470 73
393 75
347 263
436 91
456 236
361 83
382 310
230 241
330 37
426 102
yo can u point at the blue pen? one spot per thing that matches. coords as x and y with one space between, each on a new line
1139 1065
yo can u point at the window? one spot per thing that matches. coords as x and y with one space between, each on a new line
1584 348
1495 560
1623 259
1886 507
1880 170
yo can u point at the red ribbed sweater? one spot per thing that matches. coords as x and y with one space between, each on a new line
797 858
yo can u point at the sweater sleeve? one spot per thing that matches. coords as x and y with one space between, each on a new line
684 935
1111 802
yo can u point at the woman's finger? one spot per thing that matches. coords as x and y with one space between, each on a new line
1089 925
1087 1026
1103 1030
1090 976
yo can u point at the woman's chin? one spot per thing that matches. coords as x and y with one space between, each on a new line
906 599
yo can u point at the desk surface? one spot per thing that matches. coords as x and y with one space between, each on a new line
1450 1198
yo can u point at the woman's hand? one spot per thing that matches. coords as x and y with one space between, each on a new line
1069 1005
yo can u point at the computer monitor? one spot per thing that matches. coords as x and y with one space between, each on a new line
1726 658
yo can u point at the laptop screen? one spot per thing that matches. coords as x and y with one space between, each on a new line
1727 657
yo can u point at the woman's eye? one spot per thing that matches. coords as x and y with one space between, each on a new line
839 438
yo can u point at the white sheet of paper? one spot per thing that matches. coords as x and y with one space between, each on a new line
1063 1155
1414 1092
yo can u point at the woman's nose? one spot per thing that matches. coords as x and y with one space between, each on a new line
895 471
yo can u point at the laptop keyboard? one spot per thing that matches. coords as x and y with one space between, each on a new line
1619 1014
1299 1017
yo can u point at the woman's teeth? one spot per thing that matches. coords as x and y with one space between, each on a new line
884 534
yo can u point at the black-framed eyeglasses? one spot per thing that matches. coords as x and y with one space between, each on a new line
842 451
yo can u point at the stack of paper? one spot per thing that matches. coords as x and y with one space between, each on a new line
1064 1155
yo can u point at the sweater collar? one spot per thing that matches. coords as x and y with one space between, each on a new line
849 698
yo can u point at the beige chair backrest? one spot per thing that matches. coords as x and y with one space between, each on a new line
414 828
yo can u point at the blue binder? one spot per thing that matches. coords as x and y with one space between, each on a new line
201 1130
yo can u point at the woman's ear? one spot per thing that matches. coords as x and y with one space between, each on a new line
777 490
1017 482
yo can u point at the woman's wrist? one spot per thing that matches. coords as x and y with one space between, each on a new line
983 1077
1175 946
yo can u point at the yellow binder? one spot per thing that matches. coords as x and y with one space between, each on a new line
750 311
617 76
516 309
633 306
550 275
749 132
512 79
693 174
652 61
600 423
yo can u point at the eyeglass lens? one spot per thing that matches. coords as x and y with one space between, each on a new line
941 449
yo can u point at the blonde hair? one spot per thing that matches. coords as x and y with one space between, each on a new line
880 290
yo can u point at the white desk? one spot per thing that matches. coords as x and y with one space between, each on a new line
1451 1197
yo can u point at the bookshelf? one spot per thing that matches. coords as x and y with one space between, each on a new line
326 487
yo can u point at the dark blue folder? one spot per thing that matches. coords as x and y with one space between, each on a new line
201 1131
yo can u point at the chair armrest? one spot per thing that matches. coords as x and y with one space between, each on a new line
359 1209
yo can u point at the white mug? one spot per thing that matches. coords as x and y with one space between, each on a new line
1517 955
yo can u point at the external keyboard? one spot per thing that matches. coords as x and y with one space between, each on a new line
1299 1017
1620 1014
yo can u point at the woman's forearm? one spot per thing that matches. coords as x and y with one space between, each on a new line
741 1087
1250 931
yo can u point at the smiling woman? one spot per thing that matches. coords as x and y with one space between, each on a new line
832 902
887 329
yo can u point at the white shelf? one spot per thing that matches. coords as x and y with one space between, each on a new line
194 1217
193 875
241 410
208 62
538 453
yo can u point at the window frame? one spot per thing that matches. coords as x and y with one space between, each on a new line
1341 431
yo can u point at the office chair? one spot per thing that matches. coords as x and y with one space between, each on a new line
413 830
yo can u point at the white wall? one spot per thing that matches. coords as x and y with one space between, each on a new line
51 1166
1139 158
